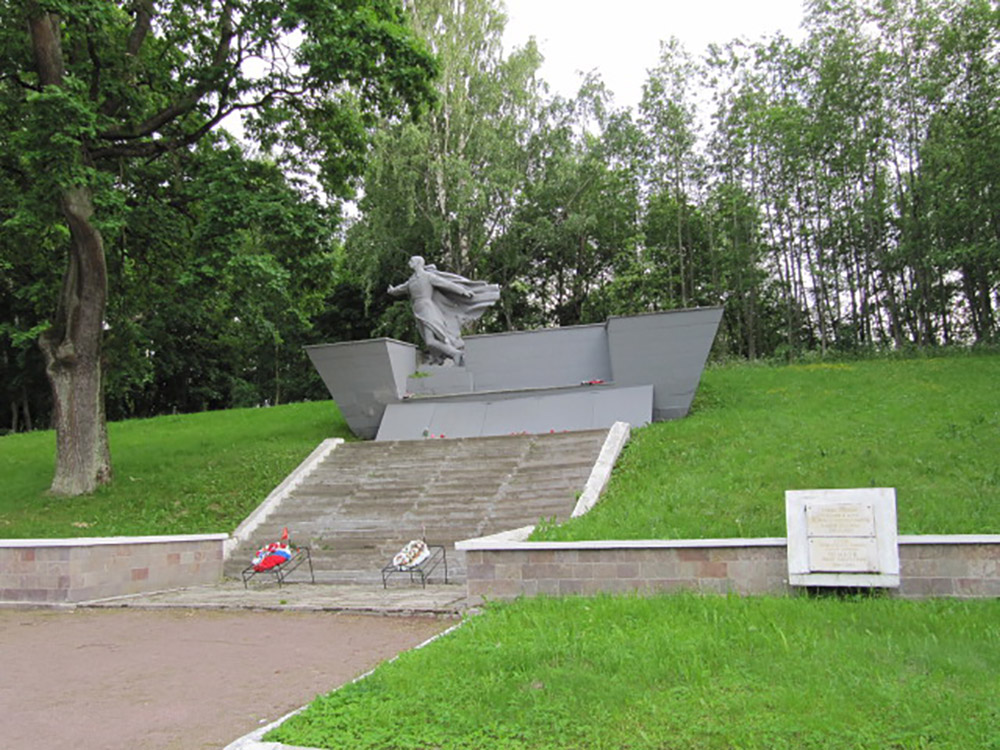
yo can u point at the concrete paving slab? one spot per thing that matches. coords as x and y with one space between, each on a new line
401 598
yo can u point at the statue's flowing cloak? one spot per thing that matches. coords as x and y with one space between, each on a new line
453 310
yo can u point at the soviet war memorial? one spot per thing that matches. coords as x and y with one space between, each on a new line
365 384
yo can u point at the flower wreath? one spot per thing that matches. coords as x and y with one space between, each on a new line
411 555
274 554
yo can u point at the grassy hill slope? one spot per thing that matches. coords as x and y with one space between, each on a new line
929 427
679 671
711 672
183 474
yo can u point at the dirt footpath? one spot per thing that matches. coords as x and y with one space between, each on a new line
141 679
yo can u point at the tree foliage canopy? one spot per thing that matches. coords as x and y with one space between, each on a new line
90 87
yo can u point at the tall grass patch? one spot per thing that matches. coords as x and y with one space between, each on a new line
682 671
182 474
928 427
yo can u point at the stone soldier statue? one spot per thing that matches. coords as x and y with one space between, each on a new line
442 304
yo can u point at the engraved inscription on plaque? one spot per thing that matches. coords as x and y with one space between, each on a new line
840 519
841 538
843 555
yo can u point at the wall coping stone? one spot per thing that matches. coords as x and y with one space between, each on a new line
98 541
515 539
600 474
949 539
500 544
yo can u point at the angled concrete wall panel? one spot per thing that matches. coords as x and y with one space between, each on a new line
667 349
364 376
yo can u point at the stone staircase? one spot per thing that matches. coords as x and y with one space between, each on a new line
358 507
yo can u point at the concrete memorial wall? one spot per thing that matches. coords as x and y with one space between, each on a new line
364 376
637 369
547 358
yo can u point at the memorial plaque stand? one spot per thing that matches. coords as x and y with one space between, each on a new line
842 538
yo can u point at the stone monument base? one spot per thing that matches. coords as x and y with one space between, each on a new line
535 411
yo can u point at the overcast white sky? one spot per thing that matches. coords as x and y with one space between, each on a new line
620 38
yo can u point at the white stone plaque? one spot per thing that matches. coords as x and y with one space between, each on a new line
842 537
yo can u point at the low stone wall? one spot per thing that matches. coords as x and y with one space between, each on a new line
949 565
52 571
504 566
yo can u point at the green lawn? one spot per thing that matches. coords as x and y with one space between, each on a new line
682 672
929 427
184 474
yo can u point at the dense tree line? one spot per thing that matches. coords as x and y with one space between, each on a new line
839 193
836 193
216 263
871 152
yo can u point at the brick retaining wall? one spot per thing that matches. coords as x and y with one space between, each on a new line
49 571
960 566
504 566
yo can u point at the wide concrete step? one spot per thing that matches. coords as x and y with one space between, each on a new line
366 500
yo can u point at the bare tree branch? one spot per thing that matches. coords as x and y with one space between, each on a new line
188 101
46 44
21 82
144 12
154 148
95 76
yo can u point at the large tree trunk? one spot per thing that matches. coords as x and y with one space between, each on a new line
72 350
72 346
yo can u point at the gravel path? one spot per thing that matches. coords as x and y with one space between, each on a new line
145 680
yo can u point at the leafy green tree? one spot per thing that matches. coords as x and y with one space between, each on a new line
674 170
575 226
959 174
95 84
28 284
213 313
445 187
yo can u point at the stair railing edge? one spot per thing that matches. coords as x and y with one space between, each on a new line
277 495
600 474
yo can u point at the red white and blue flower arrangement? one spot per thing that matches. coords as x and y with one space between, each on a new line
274 554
